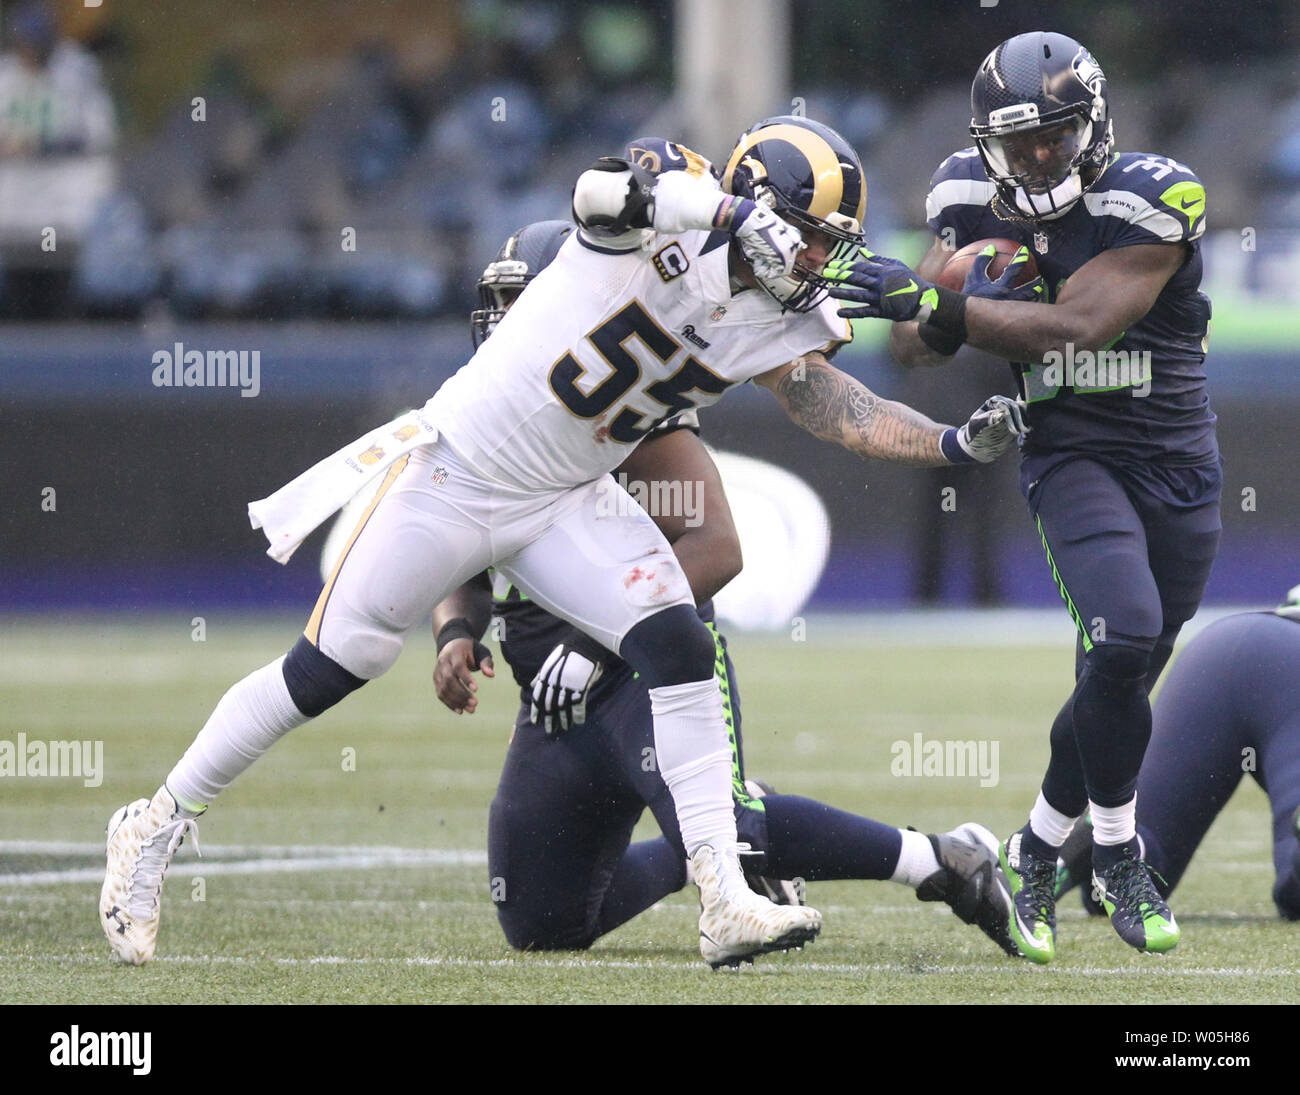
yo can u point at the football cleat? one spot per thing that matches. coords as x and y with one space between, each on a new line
142 838
736 924
779 891
1074 867
1137 912
971 882
1033 902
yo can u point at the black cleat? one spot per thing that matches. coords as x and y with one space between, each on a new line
971 882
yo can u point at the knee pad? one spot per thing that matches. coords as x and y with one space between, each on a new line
1119 665
316 682
671 647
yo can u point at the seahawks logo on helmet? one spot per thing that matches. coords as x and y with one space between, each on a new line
808 174
521 258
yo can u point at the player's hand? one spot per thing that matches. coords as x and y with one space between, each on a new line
988 433
880 288
562 685
979 284
453 676
769 244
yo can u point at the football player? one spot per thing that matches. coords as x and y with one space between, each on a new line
1121 467
505 466
581 766
1230 705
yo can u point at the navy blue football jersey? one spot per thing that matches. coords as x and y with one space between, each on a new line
1145 402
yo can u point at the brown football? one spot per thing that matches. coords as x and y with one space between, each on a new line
953 275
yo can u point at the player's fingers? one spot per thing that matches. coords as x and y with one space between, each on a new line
486 666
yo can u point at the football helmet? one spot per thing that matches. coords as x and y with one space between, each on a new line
1041 121
807 174
521 258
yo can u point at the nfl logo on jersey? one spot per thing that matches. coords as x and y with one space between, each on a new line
438 476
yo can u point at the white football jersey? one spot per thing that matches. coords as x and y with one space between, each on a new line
602 345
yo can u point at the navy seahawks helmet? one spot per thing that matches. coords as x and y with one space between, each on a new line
1041 120
521 258
810 176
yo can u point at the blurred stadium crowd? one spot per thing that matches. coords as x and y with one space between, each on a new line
224 188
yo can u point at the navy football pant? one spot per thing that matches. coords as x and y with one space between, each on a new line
562 869
1230 706
1131 570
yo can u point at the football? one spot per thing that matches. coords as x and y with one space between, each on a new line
954 272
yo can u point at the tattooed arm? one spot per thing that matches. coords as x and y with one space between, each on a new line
832 405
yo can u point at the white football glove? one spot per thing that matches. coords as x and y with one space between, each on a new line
561 687
768 243
988 433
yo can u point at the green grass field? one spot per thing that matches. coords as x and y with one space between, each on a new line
330 879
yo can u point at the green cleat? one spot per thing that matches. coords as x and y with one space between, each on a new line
1136 910
1033 901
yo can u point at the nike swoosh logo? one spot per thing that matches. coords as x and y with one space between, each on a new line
1189 204
910 287
1025 931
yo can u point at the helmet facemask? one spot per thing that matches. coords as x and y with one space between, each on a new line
804 288
1043 169
498 289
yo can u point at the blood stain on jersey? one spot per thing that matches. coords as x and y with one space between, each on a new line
637 575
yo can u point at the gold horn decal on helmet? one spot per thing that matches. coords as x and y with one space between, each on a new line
828 179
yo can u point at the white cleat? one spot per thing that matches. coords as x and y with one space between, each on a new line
142 838
737 924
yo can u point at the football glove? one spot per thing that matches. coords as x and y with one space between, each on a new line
979 284
987 434
769 244
882 288
563 685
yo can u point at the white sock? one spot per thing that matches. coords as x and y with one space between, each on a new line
916 861
1049 824
1114 824
251 717
694 759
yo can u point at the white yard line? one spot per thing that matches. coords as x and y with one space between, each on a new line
256 860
